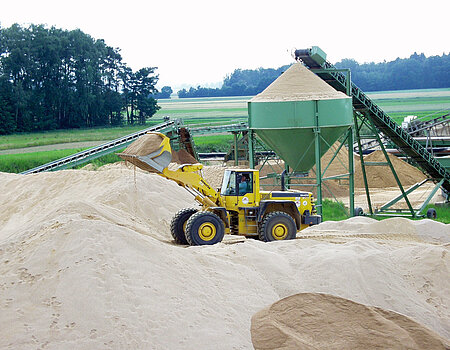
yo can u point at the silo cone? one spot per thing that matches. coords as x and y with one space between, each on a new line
295 111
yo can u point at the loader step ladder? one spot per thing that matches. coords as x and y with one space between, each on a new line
363 104
101 150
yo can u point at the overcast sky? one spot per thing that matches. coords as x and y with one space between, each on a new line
200 42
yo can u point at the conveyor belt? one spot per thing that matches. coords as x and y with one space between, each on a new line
98 151
417 127
361 103
219 129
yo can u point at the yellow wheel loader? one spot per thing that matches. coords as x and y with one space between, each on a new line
238 207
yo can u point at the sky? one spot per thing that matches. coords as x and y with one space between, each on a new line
199 42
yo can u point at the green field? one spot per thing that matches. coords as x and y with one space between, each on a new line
24 140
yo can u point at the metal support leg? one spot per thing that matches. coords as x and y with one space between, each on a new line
363 167
236 160
430 196
405 196
251 150
351 172
317 155
287 180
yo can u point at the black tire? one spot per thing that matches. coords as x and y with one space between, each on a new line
178 222
358 211
204 228
277 226
431 213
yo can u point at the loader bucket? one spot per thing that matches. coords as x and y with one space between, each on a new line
150 152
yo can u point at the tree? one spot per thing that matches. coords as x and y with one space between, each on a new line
53 78
165 92
7 122
143 88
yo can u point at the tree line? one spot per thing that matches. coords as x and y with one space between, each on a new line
415 72
242 82
52 78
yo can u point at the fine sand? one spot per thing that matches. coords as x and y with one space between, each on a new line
310 321
87 262
298 83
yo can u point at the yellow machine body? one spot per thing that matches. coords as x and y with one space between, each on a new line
246 209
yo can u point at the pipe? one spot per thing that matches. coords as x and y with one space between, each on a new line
283 174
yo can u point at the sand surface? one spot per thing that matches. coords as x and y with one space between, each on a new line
310 321
87 262
298 83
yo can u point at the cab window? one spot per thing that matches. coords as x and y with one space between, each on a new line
245 183
228 184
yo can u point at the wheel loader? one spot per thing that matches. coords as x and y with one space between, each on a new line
239 207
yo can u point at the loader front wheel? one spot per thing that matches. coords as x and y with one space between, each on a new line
178 224
204 228
277 226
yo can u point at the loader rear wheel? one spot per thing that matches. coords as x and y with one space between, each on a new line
277 226
178 224
204 228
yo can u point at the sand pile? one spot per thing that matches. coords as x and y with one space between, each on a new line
214 174
318 321
393 228
183 157
298 84
87 262
382 177
378 176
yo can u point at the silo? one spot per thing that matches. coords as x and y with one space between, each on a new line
299 116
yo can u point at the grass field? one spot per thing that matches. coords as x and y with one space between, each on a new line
24 140
16 163
332 211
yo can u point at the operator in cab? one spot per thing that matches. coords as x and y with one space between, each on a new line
244 185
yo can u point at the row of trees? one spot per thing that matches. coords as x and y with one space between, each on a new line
242 82
415 72
52 78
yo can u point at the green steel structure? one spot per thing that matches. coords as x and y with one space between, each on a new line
300 132
366 112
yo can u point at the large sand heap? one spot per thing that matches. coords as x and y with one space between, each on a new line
378 176
87 262
298 83
382 177
310 321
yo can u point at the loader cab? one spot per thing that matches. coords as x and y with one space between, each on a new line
240 188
